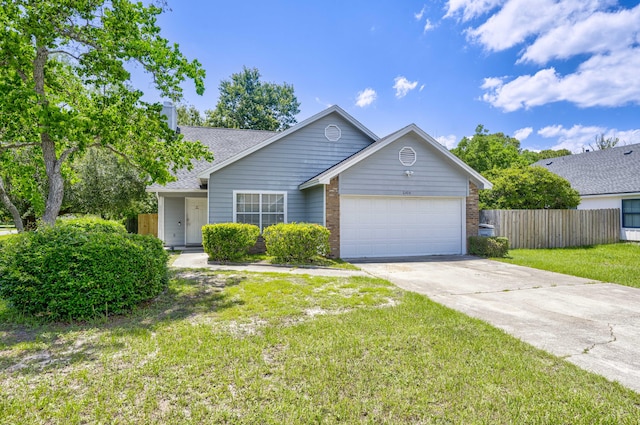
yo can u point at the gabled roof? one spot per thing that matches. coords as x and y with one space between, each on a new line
608 171
204 174
326 176
225 143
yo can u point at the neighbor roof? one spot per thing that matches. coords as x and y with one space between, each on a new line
225 143
326 176
608 171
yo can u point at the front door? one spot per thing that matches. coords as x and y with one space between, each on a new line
196 218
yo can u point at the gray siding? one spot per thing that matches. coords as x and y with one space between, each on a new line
315 204
383 174
283 166
173 213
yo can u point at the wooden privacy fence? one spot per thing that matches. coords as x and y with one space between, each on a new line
148 224
554 228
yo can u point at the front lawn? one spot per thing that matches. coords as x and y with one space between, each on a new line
615 263
243 348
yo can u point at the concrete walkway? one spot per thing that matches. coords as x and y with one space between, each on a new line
591 324
196 258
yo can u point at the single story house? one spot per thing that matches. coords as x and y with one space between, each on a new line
608 178
401 195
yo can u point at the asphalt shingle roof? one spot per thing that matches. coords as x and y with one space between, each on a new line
608 171
223 142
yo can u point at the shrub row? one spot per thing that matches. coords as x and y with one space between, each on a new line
81 269
488 246
291 242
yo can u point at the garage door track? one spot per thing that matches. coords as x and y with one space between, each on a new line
591 324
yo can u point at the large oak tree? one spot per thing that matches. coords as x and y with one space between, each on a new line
65 87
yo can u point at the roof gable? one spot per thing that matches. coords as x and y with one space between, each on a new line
326 176
278 136
608 171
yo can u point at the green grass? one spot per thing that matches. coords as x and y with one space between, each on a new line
243 348
614 263
7 236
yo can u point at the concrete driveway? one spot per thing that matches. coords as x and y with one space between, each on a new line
591 324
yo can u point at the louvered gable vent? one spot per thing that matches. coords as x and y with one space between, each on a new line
407 156
332 133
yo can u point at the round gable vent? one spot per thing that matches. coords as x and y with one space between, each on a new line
332 133
407 156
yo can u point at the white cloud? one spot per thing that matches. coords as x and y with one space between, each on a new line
366 97
420 14
603 35
323 103
603 80
523 133
421 87
450 141
578 137
470 9
599 33
403 86
428 26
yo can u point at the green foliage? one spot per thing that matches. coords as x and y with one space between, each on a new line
90 224
228 241
296 242
248 103
189 115
106 185
488 246
485 152
550 153
77 270
64 86
604 143
528 188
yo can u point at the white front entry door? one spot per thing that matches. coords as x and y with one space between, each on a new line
376 226
196 218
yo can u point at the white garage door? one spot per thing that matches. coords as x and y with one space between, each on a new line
390 227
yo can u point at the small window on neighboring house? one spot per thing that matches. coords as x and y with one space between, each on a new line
631 213
407 156
332 133
260 208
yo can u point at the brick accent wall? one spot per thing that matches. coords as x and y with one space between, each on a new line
473 214
333 215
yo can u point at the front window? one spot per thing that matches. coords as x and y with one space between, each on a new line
260 208
631 213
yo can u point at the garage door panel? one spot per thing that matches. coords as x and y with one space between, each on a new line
388 226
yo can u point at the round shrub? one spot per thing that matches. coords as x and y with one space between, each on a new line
228 241
299 242
69 273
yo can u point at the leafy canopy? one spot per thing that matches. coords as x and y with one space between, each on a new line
248 103
528 188
65 87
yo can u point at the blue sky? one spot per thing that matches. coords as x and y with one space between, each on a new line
553 73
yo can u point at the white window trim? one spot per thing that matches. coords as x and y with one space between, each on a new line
326 129
258 192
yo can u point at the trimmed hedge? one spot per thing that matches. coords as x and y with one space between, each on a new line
68 273
488 246
91 224
228 241
297 242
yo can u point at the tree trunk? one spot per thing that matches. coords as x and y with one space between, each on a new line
54 179
17 220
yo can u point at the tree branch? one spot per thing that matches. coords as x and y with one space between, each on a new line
17 146
64 52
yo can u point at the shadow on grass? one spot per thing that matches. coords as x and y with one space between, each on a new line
31 346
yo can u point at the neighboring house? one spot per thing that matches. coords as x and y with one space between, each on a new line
404 194
608 178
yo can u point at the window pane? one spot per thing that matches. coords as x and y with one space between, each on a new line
631 205
249 219
269 219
